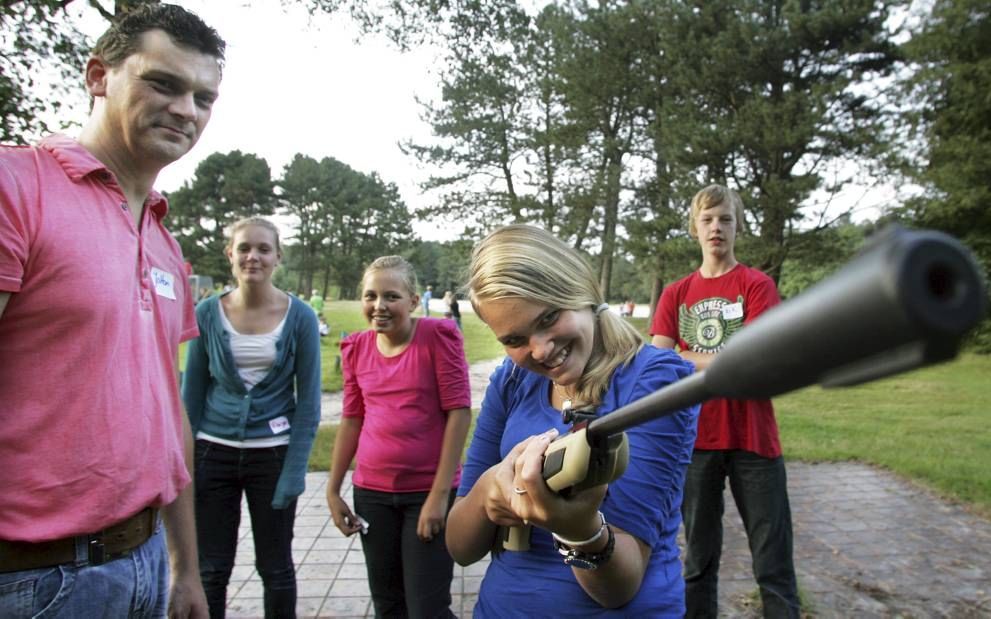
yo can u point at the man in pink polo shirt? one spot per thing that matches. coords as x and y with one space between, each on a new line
94 302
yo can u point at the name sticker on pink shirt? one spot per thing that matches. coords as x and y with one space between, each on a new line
164 283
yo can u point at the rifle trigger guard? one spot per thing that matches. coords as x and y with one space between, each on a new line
573 416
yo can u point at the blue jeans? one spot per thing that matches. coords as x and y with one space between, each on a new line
222 474
133 586
760 490
407 577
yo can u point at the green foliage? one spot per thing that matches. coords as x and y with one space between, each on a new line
599 120
41 66
952 119
345 219
813 257
224 189
441 265
764 94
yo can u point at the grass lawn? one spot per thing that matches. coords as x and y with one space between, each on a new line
480 344
932 426
345 317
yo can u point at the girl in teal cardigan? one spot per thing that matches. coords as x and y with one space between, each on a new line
252 392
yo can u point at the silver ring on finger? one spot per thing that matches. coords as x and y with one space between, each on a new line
519 490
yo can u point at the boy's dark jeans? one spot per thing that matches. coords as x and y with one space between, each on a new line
760 490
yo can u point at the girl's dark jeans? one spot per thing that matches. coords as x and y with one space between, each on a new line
407 577
222 474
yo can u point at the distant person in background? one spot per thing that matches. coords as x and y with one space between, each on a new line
316 301
406 415
624 309
252 391
427 296
453 311
324 327
94 441
737 439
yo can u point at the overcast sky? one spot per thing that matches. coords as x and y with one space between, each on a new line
295 85
292 85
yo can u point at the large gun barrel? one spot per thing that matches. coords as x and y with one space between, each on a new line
904 302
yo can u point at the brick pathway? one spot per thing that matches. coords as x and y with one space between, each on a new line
330 568
867 544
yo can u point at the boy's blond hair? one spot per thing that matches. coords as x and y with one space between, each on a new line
711 197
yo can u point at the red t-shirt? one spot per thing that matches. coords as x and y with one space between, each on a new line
403 401
701 314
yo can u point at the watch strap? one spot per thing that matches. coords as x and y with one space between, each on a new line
588 560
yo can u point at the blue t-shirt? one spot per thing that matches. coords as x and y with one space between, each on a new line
645 501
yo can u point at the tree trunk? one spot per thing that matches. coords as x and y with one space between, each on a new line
656 288
609 221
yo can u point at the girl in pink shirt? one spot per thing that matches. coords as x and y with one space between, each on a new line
406 416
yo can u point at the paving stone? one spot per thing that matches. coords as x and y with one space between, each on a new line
867 544
343 587
346 607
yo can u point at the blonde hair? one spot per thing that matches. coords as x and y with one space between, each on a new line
710 197
261 222
520 261
393 263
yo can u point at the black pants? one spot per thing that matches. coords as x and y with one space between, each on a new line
222 474
760 489
407 577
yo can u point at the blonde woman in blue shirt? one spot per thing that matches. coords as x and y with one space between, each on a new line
252 392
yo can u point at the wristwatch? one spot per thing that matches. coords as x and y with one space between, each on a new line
588 560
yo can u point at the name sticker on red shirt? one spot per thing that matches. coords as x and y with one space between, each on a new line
733 310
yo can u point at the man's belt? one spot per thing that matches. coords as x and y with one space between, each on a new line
111 543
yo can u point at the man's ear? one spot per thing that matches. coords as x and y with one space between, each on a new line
96 77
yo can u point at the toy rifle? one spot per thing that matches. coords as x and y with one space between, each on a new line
903 303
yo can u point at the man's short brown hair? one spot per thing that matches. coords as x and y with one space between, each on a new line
184 28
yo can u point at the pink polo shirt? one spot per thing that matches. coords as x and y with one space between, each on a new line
403 402
90 415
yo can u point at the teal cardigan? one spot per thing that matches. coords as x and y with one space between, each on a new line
218 403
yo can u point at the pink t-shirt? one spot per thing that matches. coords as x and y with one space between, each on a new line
403 401
91 428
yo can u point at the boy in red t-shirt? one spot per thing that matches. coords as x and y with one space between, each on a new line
737 439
